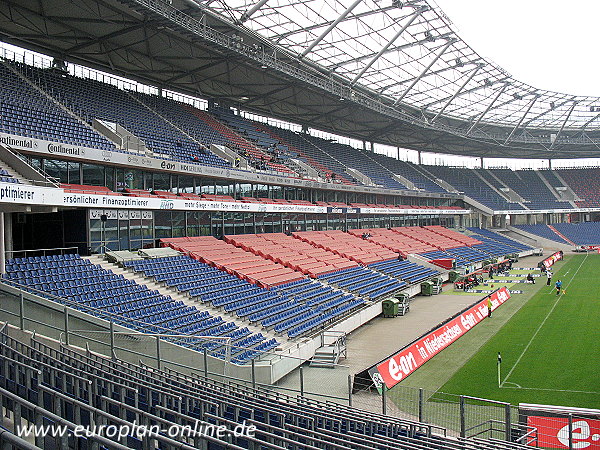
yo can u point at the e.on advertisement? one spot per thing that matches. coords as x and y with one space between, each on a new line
405 362
553 432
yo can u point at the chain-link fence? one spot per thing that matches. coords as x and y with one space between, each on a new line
458 415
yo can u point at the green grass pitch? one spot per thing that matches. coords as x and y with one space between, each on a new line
550 347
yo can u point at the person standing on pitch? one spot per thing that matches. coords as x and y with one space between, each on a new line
558 285
549 277
489 305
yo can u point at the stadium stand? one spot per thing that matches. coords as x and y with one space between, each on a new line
234 260
309 153
357 159
394 241
529 185
405 270
347 245
167 397
7 177
293 253
286 309
125 302
25 111
439 254
585 183
408 170
542 230
433 237
467 181
92 99
482 233
259 158
364 281
587 233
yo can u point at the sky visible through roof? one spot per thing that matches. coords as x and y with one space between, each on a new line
545 43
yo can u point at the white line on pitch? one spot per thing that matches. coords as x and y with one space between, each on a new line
546 389
540 327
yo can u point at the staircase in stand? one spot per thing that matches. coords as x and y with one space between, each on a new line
251 150
332 350
562 236
313 162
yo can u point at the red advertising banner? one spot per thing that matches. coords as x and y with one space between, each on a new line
550 260
553 432
415 355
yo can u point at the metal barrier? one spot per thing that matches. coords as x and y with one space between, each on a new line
43 251
87 327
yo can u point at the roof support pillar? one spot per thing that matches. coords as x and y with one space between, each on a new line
451 99
500 91
433 61
562 127
521 119
328 30
389 43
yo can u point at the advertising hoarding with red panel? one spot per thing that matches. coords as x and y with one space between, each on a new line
550 260
553 432
396 368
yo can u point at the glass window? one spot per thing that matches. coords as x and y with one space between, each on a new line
74 172
178 221
93 175
162 181
208 187
109 173
57 169
186 184
162 224
134 179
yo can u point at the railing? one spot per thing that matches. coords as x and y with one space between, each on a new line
44 251
450 414
74 322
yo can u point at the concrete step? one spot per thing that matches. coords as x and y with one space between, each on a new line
13 172
325 357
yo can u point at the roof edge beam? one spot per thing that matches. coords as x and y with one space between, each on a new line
330 28
564 124
451 99
585 125
464 92
251 11
514 130
389 43
425 70
543 113
500 91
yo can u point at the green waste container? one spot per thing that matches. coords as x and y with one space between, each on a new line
390 307
453 276
427 288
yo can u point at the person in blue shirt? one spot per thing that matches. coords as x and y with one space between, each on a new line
558 285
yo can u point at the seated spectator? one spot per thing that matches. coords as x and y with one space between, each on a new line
530 278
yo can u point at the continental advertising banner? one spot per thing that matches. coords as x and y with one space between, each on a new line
396 368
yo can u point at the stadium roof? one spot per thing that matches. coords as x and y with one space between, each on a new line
389 71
